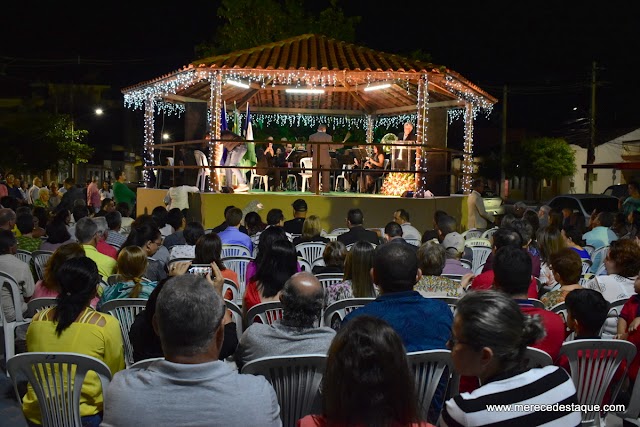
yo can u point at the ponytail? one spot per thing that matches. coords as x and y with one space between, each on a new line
78 278
137 288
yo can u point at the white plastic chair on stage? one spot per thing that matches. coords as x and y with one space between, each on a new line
306 163
203 173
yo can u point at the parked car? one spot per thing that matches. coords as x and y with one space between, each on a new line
585 203
621 191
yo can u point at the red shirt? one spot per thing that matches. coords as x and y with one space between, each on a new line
106 249
634 367
630 309
484 281
553 325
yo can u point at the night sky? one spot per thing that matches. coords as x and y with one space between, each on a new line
542 50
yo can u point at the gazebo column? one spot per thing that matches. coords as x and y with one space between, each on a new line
215 112
421 136
149 128
467 158
370 129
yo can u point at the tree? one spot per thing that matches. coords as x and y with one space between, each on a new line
249 23
547 158
67 139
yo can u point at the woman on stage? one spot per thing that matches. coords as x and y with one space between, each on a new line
375 164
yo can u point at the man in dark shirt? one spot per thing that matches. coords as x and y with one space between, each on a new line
357 231
294 226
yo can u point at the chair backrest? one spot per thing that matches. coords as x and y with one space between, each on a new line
234 250
536 303
615 307
478 269
175 260
24 256
201 159
487 234
230 285
327 279
339 231
317 262
125 310
113 279
590 249
466 263
7 281
414 242
40 259
236 313
472 233
342 308
598 256
306 163
142 364
478 241
455 277
304 264
535 358
586 266
311 250
57 379
593 364
238 264
266 312
429 367
480 255
296 381
37 304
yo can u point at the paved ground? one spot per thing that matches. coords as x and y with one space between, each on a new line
10 411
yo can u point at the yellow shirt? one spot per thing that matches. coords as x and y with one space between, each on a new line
94 334
106 264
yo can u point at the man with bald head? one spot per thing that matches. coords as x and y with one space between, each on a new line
296 333
7 219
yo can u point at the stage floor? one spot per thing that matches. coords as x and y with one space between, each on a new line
332 208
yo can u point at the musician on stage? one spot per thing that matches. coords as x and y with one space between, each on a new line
236 149
321 157
405 155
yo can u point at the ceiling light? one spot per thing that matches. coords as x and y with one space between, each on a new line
308 91
238 84
377 87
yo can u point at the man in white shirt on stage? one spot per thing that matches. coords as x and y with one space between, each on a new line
478 216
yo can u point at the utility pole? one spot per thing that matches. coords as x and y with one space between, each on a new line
504 191
591 149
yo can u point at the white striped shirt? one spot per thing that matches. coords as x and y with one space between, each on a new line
539 386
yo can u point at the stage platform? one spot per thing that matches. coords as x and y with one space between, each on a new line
332 208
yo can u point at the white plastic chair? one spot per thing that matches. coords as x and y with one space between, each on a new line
296 381
311 251
593 364
236 313
537 303
342 176
339 231
615 307
536 358
327 279
561 310
472 233
597 259
125 310
586 266
478 241
57 380
262 180
203 173
478 270
487 234
429 367
306 163
40 259
231 286
238 264
24 256
36 305
455 277
342 308
480 255
145 363
9 328
414 242
304 264
317 262
229 250
266 312
590 249
466 263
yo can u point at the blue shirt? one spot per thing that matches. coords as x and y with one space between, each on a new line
422 323
233 236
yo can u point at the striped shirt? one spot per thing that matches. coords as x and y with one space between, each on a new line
539 386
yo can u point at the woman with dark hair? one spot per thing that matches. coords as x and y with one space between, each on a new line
357 276
573 239
550 241
73 326
208 250
57 235
49 286
277 264
489 338
267 238
192 232
254 224
620 226
633 220
333 255
367 381
374 164
147 236
160 216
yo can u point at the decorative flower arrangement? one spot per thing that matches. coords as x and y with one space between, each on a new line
397 183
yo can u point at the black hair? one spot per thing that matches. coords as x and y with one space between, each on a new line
24 222
403 214
507 236
209 249
276 267
233 217
512 270
57 232
114 219
267 238
395 267
174 218
192 232
124 209
274 216
160 215
355 216
7 241
80 212
393 229
78 278
589 308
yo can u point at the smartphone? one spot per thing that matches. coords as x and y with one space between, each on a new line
200 270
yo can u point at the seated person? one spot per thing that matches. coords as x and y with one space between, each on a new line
355 221
431 259
567 269
453 244
490 335
192 232
297 332
629 318
333 255
311 230
266 164
132 263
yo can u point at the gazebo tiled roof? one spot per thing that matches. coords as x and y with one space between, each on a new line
342 69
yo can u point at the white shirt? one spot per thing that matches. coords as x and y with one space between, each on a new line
410 232
612 287
178 197
104 194
477 214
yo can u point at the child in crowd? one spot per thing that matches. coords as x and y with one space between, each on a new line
629 318
567 268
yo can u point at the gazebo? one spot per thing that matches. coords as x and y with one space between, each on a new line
311 79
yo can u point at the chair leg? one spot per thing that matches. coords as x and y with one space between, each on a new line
304 184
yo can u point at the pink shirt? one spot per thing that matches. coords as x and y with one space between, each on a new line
42 291
93 195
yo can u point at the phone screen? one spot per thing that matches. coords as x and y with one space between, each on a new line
202 271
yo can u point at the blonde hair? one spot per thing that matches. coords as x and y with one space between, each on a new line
311 226
132 263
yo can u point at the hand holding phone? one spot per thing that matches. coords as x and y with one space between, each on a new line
200 270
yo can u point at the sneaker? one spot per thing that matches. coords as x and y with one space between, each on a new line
242 188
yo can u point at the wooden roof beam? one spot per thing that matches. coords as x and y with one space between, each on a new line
318 111
182 99
355 96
